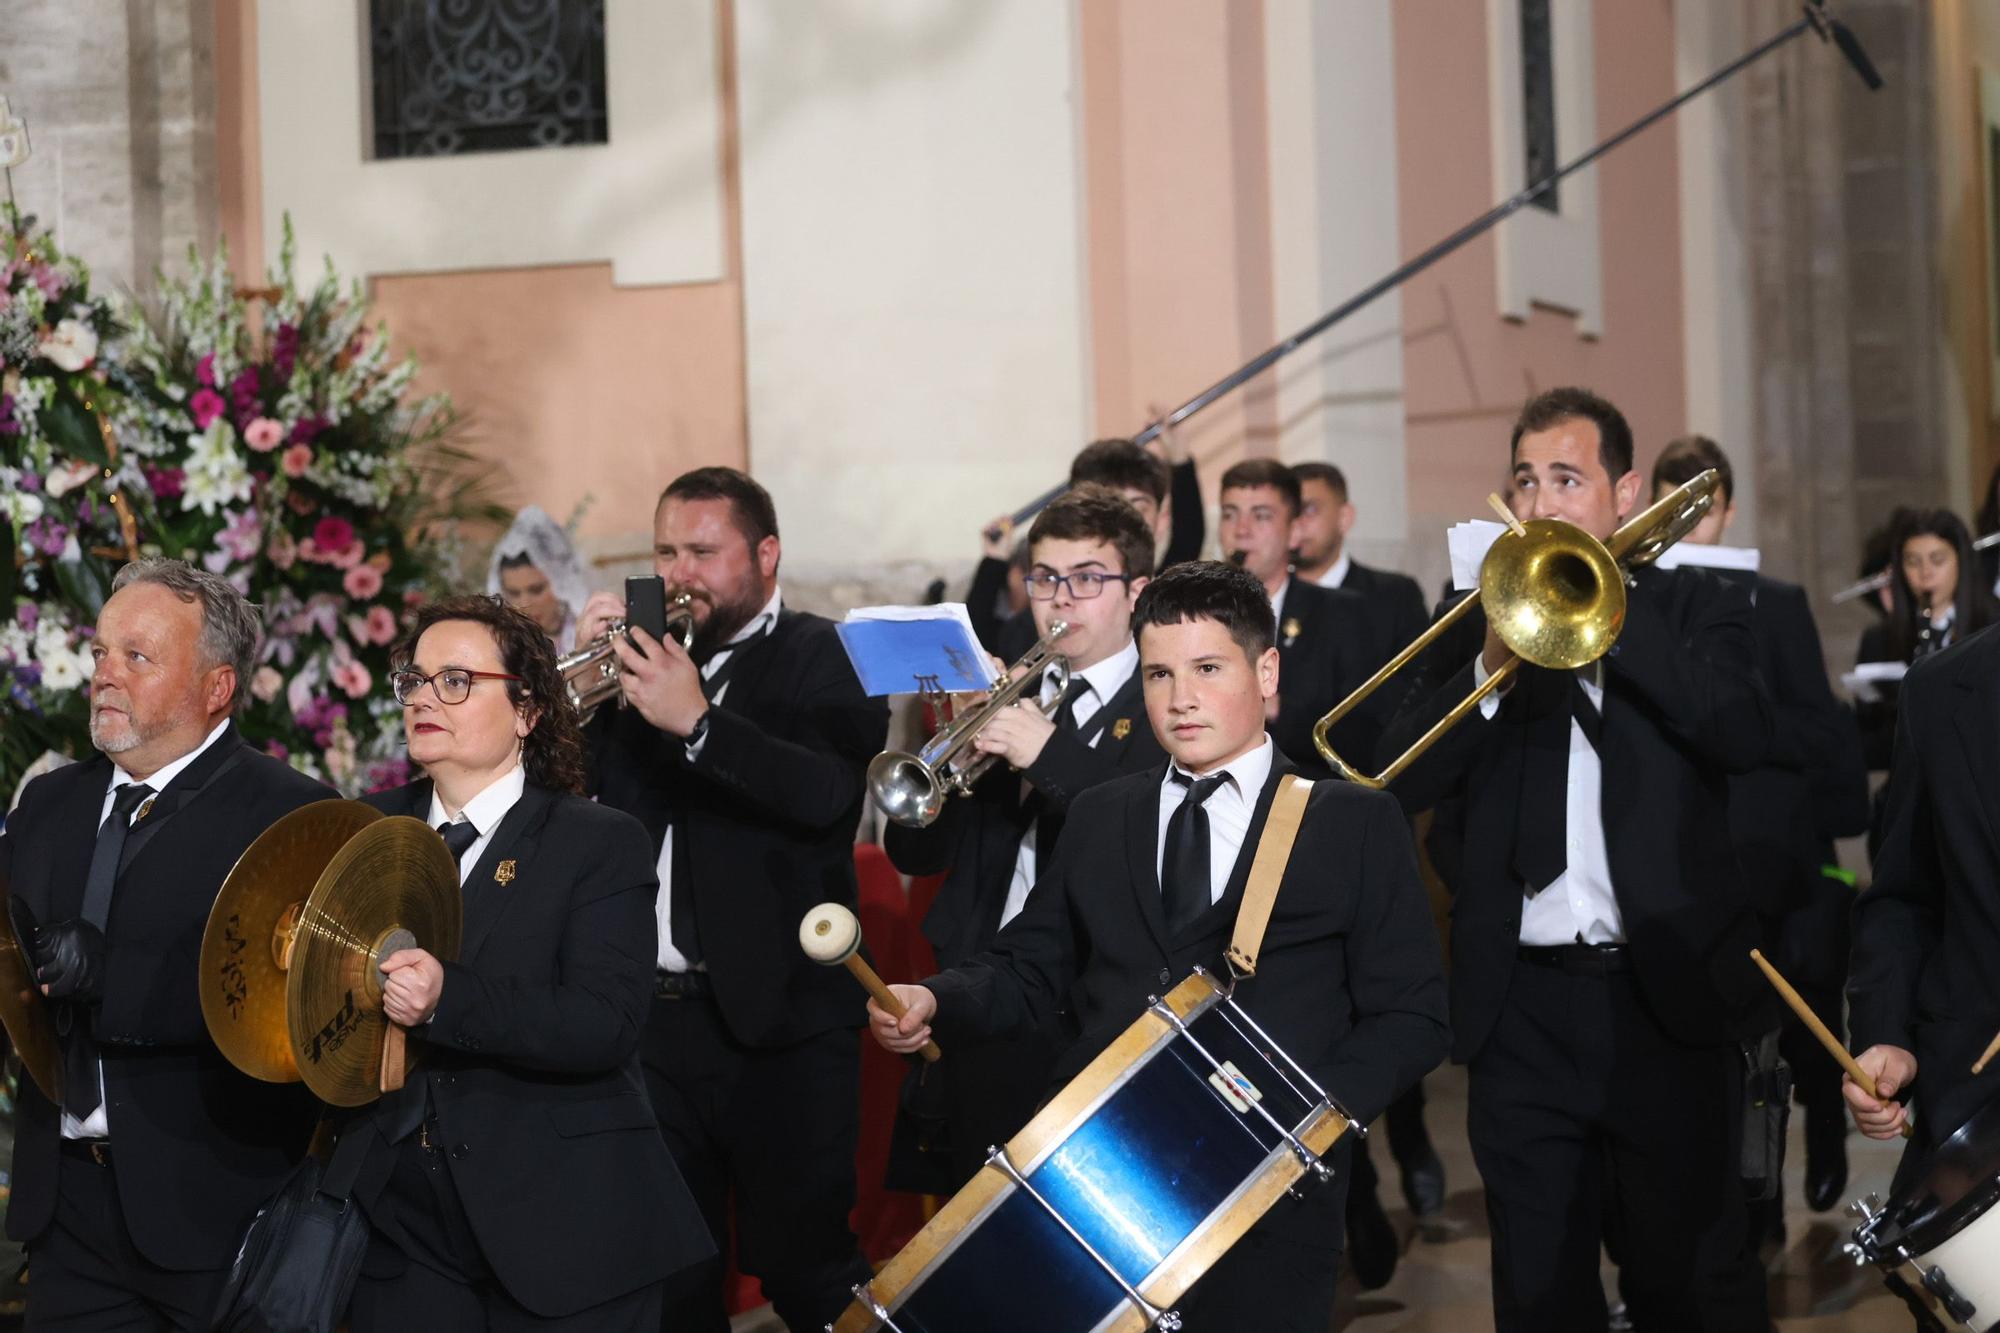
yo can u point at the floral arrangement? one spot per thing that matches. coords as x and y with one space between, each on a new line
268 437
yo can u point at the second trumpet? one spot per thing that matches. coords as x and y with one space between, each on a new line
911 789
590 674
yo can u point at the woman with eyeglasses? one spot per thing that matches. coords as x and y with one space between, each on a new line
519 1179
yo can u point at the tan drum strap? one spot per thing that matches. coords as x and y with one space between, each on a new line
1274 849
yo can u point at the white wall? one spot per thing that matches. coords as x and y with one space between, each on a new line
913 289
1332 122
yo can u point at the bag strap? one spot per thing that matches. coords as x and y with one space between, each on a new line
1274 849
344 1167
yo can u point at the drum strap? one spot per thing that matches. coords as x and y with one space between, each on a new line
1274 848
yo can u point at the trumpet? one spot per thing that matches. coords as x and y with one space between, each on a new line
590 674
912 788
1553 593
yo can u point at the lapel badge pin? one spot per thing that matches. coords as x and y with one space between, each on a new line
504 872
1121 728
1292 628
145 808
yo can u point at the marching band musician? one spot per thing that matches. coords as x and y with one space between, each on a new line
1785 814
1145 885
1091 556
1326 515
1923 993
1323 640
1600 934
133 1194
518 1179
746 761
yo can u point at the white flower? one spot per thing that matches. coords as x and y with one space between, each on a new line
68 477
14 642
22 507
60 673
216 475
73 345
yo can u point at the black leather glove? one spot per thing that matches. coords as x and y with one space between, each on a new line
69 960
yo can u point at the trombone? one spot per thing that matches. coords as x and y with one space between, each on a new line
590 674
1553 593
911 788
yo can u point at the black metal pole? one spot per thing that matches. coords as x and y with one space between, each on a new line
1815 20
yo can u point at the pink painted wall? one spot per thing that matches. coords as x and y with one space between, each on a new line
1466 369
1177 215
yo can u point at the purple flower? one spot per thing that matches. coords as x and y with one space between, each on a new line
205 407
30 673
308 429
277 750
29 615
50 281
243 395
8 426
31 481
204 371
47 536
166 482
285 350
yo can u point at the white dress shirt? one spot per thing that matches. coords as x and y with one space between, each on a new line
670 959
1230 810
484 812
1278 602
1579 905
1336 574
98 1126
1103 680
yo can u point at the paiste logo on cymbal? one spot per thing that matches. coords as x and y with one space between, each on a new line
504 872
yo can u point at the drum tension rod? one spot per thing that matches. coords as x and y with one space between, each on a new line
864 1295
1309 1159
1167 1320
1231 1011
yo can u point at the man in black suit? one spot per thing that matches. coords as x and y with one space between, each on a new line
1600 935
746 761
1784 816
1158 480
1924 995
1092 555
133 1194
1146 885
1324 643
1326 516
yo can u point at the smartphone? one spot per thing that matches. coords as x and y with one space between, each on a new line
646 605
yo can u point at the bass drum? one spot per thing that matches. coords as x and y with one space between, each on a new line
1943 1224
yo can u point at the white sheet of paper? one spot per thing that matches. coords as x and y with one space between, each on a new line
1468 542
1867 678
1709 557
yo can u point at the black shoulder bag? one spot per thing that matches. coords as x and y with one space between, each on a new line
302 1252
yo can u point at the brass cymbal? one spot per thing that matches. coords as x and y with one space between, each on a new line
251 928
23 1010
394 876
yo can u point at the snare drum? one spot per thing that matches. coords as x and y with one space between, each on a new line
1943 1224
1123 1190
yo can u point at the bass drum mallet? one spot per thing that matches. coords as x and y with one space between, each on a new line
831 936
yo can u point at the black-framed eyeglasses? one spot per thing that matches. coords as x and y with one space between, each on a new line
453 684
1084 584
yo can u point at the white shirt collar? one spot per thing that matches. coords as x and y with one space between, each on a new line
1278 600
1336 576
761 621
1247 772
485 811
168 772
1108 677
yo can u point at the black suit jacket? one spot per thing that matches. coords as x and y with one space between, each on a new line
1927 930
768 813
976 841
1683 710
1326 647
1395 606
1813 786
1348 982
199 1146
530 1065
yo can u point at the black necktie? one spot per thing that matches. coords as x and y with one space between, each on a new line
458 834
1065 714
83 1090
1184 880
1541 852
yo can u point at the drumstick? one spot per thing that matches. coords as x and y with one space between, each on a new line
1818 1029
1986 1056
831 934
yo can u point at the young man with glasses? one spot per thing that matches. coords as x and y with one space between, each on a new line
1152 871
1091 554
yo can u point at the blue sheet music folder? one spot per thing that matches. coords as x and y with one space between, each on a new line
909 656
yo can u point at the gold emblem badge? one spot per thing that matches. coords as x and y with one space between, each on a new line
1292 628
504 872
145 808
1121 728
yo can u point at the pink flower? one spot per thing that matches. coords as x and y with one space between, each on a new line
333 535
282 550
294 460
204 371
264 435
381 625
362 582
205 406
352 678
266 683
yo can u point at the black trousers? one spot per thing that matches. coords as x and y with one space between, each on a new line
1280 1277
1810 943
768 1135
86 1276
1580 1102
